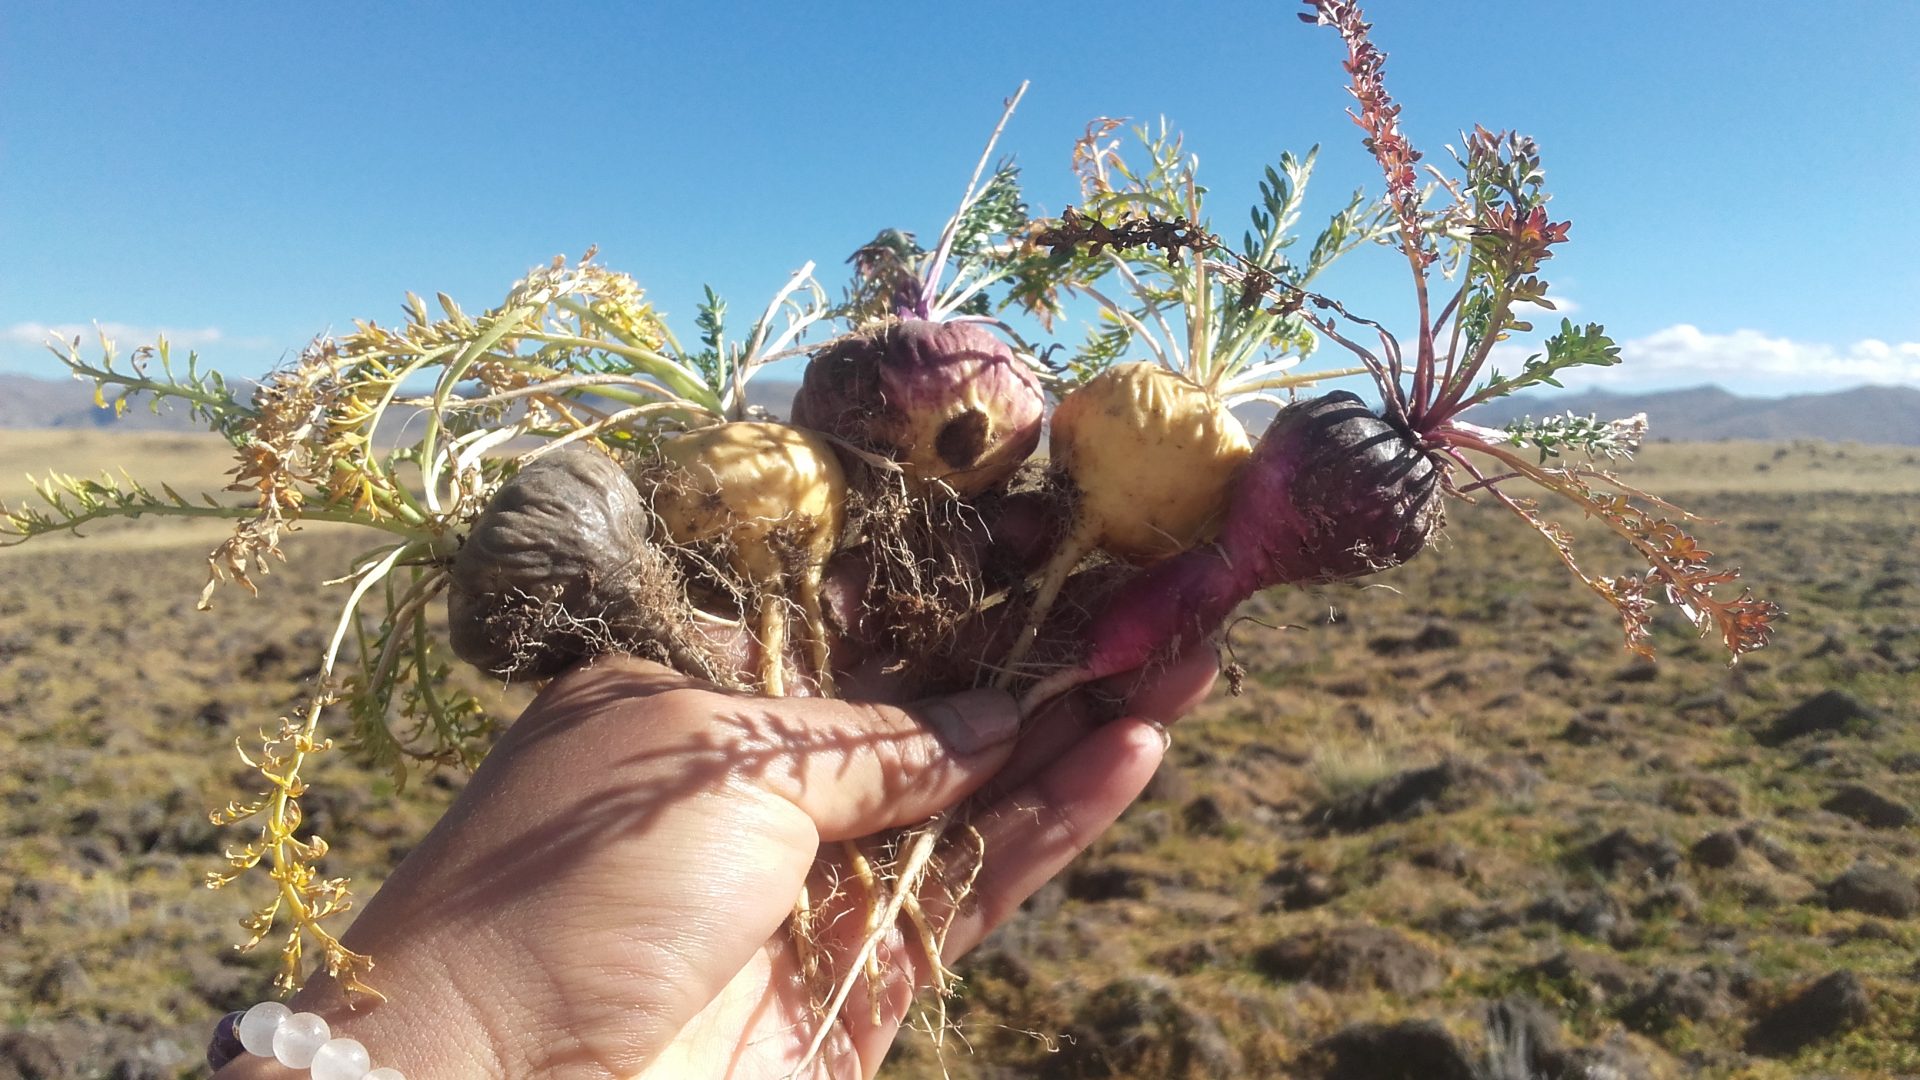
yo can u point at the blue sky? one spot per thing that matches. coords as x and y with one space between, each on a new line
248 176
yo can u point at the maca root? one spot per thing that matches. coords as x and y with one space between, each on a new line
908 589
921 559
641 611
772 498
561 566
912 889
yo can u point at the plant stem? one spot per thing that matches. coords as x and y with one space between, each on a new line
669 371
931 289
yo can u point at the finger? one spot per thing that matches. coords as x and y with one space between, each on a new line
1163 694
851 767
857 768
1031 833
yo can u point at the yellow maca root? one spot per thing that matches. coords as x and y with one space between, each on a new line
1151 457
777 496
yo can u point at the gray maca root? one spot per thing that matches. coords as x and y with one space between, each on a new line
560 566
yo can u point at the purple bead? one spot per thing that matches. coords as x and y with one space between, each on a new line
225 1045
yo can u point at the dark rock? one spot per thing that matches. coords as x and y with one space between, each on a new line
1822 1010
1189 958
1000 964
1621 852
1294 886
1408 1050
1353 958
1702 994
1674 898
1592 727
1590 978
15 644
1431 637
1464 923
1714 703
148 826
1869 930
1107 882
1350 688
1205 816
1698 794
1819 756
96 851
62 982
1876 890
1827 711
1448 785
1596 915
266 658
191 834
1757 891
213 716
30 1056
1449 858
1869 807
1718 850
223 985
1637 671
85 821
1832 643
326 809
1139 1026
1775 852
1557 664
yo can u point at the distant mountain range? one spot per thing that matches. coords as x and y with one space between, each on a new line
1888 415
1866 414
27 402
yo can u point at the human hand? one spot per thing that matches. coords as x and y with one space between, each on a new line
608 896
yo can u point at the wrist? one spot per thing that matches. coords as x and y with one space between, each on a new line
422 1032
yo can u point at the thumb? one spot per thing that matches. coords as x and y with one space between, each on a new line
857 768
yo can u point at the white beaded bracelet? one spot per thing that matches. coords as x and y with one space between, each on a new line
298 1041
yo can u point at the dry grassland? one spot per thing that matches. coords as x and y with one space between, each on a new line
1449 816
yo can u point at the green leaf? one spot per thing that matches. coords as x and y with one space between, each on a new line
1572 347
711 320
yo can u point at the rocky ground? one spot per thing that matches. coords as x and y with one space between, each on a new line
1450 829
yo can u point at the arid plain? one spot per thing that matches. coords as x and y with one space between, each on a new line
1449 829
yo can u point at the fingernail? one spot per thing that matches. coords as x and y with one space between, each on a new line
1166 737
973 720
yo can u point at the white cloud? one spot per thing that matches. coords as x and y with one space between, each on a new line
1750 354
123 334
1537 313
1742 360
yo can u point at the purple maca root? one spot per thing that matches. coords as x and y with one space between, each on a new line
1332 492
948 400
